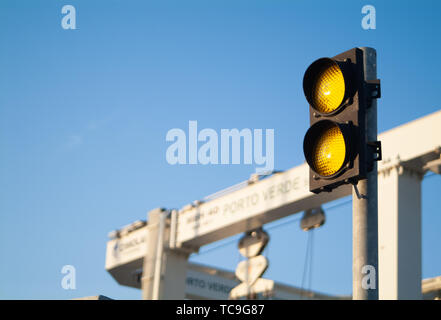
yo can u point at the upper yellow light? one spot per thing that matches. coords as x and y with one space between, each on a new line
329 151
329 89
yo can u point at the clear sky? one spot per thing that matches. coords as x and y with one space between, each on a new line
84 114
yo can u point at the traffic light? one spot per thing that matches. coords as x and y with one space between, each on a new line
335 146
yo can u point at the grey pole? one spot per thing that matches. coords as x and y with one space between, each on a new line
365 208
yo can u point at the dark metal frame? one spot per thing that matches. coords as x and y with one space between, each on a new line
350 115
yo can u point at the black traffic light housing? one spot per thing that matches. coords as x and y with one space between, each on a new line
349 117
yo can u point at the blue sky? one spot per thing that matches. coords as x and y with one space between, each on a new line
84 114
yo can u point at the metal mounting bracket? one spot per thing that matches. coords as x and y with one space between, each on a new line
373 88
375 153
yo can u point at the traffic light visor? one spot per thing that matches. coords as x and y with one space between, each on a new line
324 86
325 148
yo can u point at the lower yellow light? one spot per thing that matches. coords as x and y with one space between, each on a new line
329 151
329 89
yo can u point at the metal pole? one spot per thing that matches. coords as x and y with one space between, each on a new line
365 208
158 258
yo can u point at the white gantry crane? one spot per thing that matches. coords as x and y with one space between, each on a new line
170 236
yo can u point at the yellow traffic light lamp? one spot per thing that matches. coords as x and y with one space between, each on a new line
326 148
324 86
335 146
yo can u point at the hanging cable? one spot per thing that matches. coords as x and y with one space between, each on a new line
306 263
283 223
311 254
234 240
227 243
307 267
